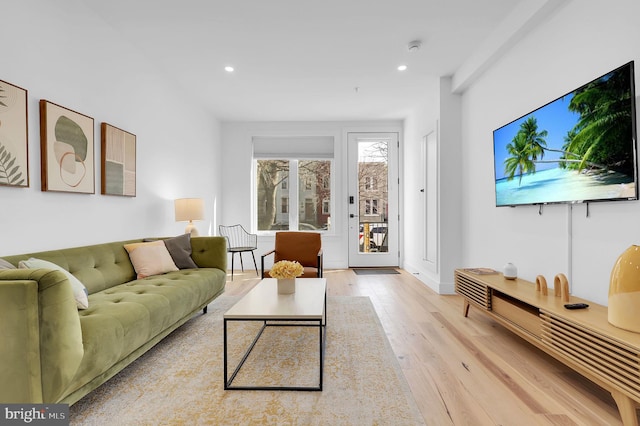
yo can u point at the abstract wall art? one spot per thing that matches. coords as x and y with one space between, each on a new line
14 153
67 150
118 161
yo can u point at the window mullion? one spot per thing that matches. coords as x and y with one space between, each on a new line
294 203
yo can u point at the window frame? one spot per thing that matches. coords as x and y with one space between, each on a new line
370 183
292 186
326 206
371 204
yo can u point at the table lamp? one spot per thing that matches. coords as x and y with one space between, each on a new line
189 209
624 291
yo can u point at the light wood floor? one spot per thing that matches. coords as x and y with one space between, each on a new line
467 371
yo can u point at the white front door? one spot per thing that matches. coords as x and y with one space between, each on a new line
373 199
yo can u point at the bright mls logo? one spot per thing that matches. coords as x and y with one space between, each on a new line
36 414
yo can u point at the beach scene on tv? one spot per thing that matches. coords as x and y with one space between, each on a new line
578 148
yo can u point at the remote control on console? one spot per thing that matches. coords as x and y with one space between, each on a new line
576 305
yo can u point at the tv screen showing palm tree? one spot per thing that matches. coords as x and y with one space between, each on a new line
580 147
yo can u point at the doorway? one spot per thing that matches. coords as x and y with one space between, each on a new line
373 199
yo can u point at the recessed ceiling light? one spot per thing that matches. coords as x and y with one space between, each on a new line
228 68
402 68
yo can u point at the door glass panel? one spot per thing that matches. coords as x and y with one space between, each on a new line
314 193
373 186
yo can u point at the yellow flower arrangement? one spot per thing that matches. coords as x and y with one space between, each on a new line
286 269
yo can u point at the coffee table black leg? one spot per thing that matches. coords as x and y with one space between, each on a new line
227 383
225 354
321 353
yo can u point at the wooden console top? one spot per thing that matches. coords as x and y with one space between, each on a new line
595 316
583 339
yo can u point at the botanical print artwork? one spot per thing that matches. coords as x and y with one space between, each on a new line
118 161
67 149
14 162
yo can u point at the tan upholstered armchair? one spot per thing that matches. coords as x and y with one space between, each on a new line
303 247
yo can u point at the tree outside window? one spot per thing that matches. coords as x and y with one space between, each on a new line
372 181
270 174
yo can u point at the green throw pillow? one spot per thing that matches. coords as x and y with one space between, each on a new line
79 290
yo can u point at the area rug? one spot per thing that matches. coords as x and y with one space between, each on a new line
180 381
374 271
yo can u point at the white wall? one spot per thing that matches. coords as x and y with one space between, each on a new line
440 114
237 152
61 51
582 41
422 121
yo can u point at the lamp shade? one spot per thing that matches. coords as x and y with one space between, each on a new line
624 291
188 209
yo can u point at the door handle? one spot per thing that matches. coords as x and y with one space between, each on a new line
353 215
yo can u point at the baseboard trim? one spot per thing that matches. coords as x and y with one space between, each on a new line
430 279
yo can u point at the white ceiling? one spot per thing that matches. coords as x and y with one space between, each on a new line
303 59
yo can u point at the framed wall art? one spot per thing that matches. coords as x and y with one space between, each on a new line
14 144
67 150
118 149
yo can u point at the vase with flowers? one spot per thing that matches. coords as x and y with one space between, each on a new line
286 271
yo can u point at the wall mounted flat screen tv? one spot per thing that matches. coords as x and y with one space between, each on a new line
578 148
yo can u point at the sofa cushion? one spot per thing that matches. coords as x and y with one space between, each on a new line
98 266
123 318
79 290
150 258
180 250
6 265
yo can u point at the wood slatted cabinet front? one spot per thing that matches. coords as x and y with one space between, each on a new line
582 339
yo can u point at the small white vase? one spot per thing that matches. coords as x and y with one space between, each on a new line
510 271
286 285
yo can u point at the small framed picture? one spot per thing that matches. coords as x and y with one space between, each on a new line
14 143
118 149
67 150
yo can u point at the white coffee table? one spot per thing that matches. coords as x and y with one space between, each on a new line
307 307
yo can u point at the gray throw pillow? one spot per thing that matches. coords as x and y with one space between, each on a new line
180 250
6 265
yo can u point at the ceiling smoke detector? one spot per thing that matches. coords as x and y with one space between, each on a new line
414 46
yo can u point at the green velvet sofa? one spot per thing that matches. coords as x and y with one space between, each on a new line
51 352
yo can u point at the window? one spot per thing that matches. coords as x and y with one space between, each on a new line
370 183
313 200
270 174
292 186
326 182
371 207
